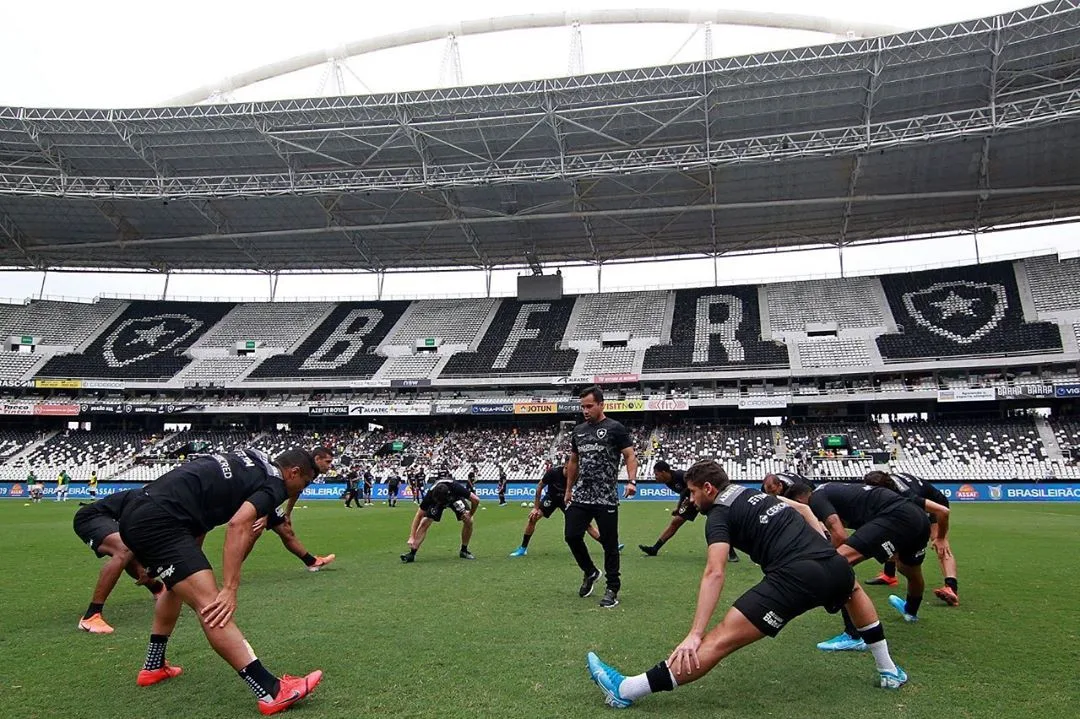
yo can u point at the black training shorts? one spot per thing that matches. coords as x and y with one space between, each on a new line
92 527
433 508
168 549
904 532
795 589
685 508
550 502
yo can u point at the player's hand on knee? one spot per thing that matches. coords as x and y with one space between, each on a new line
220 612
941 546
535 515
684 658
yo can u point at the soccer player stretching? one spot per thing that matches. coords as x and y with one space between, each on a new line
802 572
164 526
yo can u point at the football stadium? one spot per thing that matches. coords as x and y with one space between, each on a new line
887 460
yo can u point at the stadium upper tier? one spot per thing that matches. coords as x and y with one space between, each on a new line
963 127
962 317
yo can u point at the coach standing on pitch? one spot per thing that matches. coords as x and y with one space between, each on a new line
596 448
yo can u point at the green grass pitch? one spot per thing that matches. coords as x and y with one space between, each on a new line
506 638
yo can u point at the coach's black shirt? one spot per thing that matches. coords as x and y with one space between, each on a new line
772 533
855 504
555 481
677 483
599 451
918 490
113 505
206 492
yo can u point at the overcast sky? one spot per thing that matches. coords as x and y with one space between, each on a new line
127 53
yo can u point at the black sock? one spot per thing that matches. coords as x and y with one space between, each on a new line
308 559
464 547
525 540
156 587
412 552
950 582
874 634
155 651
912 606
889 570
660 678
263 683
93 609
849 626
659 543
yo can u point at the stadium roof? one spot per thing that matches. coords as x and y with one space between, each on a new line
969 126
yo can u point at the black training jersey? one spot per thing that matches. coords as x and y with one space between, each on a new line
113 505
206 492
677 484
276 518
918 490
855 504
445 491
599 451
772 533
555 481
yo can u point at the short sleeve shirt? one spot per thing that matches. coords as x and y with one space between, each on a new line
599 451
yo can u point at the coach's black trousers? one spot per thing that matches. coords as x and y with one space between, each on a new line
578 517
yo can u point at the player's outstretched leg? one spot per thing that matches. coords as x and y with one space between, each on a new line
733 633
274 694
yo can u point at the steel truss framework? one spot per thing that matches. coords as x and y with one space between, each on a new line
959 128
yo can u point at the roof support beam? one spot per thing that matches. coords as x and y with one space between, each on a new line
329 205
16 238
448 196
873 84
209 210
996 47
553 120
146 153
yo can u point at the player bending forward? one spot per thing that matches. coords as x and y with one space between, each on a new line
164 526
802 572
444 493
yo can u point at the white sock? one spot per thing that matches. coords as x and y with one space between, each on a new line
880 650
633 688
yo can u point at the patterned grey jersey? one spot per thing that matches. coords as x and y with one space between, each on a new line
599 450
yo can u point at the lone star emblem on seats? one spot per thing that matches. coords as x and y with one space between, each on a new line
150 335
954 304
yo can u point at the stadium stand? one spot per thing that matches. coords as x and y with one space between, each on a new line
59 323
275 324
862 436
342 346
522 339
1055 285
713 328
641 314
13 441
215 370
80 452
961 311
14 365
962 450
520 450
609 359
457 322
848 302
148 340
827 352
418 366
